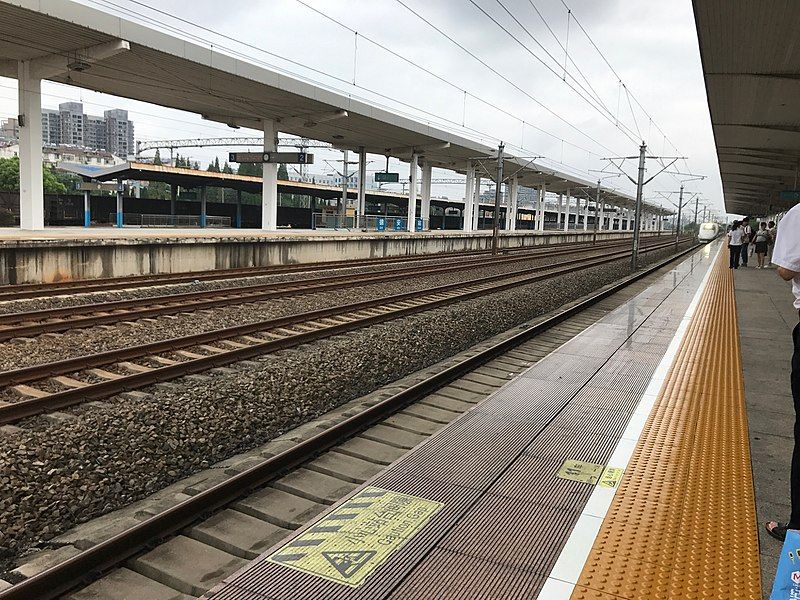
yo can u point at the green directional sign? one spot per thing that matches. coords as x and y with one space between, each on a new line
790 195
387 177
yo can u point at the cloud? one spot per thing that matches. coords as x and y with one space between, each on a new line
652 46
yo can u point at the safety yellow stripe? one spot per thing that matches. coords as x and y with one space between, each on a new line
683 522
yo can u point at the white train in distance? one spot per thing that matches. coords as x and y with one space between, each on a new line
708 232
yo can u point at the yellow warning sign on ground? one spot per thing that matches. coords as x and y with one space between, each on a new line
591 473
611 477
578 470
348 544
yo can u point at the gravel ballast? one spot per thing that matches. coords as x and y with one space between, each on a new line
23 352
53 476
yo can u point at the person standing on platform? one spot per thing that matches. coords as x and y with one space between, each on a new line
747 237
786 257
761 240
773 231
735 244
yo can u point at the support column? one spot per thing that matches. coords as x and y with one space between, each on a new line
203 207
269 187
120 207
412 192
566 210
586 215
238 208
630 220
87 208
558 210
540 212
361 216
31 188
425 207
511 206
602 218
476 203
469 192
173 200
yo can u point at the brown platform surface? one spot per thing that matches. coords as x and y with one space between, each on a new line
484 508
766 319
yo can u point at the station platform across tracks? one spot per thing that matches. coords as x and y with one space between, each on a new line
617 467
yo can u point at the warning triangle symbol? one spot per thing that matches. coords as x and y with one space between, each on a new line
348 563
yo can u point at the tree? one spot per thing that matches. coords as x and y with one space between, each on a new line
157 159
9 177
283 172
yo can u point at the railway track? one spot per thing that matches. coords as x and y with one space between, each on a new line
226 520
82 286
84 379
53 320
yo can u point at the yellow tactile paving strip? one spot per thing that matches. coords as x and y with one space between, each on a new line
683 522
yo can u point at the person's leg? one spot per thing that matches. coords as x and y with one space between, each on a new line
732 251
744 255
736 256
794 521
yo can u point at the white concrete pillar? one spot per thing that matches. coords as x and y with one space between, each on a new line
630 219
31 188
469 193
476 203
87 208
586 216
511 208
412 193
558 210
269 187
542 195
120 201
362 188
566 210
425 191
602 217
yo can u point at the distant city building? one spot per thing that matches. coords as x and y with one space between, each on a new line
70 126
54 154
9 129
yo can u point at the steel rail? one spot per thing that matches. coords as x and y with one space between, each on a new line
78 286
137 308
16 411
89 565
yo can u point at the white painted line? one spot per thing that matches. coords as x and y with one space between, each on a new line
570 563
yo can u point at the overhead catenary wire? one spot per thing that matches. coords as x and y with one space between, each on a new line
507 80
549 68
482 135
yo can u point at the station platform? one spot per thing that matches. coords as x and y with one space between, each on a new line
69 253
616 467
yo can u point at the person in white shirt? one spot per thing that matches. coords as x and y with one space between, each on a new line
786 256
735 244
747 237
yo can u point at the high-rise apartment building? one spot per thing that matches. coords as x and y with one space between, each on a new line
118 132
69 126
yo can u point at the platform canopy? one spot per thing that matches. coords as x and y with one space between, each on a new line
162 69
751 62
194 178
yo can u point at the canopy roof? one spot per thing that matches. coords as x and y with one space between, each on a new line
162 69
751 62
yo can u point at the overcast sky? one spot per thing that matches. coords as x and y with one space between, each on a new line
651 46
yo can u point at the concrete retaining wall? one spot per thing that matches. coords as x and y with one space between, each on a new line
44 261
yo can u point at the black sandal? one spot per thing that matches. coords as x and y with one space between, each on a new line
778 532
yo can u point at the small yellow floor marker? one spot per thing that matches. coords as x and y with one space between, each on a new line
349 543
591 473
683 522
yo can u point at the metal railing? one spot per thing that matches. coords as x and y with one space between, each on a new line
177 221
